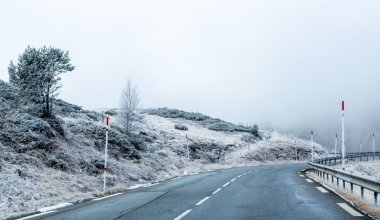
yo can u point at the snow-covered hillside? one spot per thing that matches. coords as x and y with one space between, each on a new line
45 162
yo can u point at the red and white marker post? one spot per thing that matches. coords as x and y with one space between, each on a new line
105 154
343 141
312 146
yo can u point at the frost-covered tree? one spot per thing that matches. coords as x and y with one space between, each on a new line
129 102
36 74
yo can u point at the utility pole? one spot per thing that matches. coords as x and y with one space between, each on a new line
343 141
336 142
105 155
312 146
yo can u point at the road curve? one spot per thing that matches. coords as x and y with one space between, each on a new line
263 192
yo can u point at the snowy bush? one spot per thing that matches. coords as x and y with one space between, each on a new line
24 132
174 113
180 127
111 112
222 126
64 108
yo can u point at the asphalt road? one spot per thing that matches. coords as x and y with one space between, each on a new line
264 192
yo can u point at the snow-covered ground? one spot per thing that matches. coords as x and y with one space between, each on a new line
370 168
74 174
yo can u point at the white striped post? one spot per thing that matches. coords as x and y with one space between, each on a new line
343 141
105 155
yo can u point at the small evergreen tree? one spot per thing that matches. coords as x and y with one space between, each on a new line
36 74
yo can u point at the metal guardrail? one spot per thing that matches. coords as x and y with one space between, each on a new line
365 156
363 181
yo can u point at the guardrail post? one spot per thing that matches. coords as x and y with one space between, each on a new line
344 184
337 181
352 188
362 191
332 179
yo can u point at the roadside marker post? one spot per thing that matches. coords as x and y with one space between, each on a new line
105 154
373 146
188 155
295 146
336 142
343 141
312 146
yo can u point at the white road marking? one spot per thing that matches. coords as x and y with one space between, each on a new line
309 180
216 191
301 175
183 214
179 177
322 189
226 184
233 179
51 208
36 215
203 200
106 197
238 176
349 209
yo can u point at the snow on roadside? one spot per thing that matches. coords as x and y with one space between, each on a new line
369 168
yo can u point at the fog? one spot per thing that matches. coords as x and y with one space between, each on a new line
284 64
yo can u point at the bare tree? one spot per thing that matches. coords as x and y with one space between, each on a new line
128 106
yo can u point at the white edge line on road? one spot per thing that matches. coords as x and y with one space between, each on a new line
183 214
51 208
226 184
322 189
216 191
350 210
233 179
203 200
309 180
97 199
36 215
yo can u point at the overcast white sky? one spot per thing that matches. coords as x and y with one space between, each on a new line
284 64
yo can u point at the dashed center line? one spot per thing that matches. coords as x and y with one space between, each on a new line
309 180
350 210
233 179
203 200
183 214
226 184
322 189
216 191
